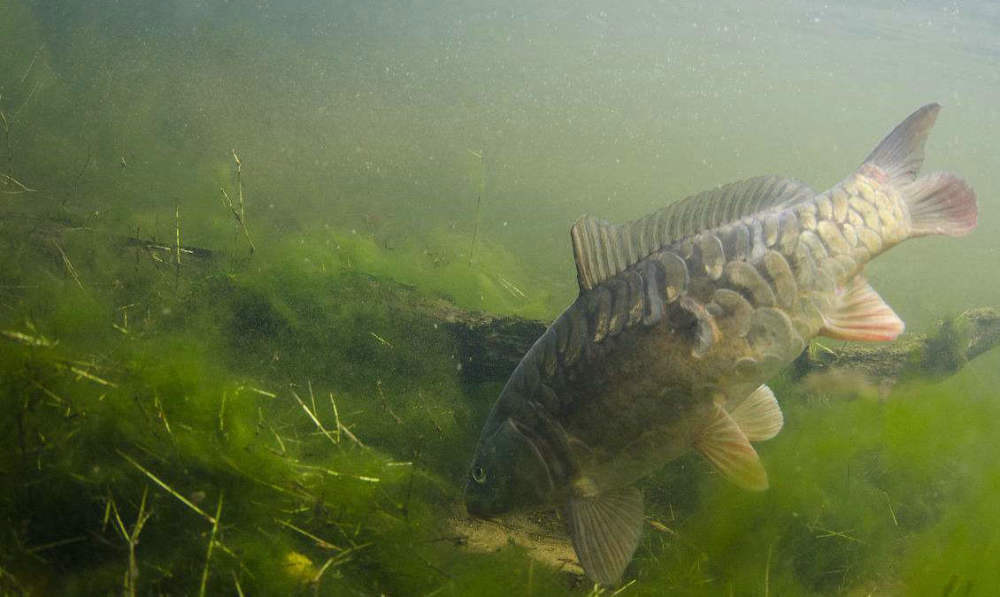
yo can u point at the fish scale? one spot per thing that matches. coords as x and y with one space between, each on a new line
681 317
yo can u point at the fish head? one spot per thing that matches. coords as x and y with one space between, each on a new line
508 473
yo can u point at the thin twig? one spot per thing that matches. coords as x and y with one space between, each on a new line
315 420
320 542
319 575
161 414
132 539
239 214
94 378
343 428
385 403
28 339
336 560
333 473
177 230
479 200
13 580
336 416
891 511
300 494
239 186
58 543
69 265
222 413
7 180
261 392
767 571
211 544
48 392
166 487
831 533
236 583
381 340
31 64
31 94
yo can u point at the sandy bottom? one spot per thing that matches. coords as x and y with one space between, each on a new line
541 534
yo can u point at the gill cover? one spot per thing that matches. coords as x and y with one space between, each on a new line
507 473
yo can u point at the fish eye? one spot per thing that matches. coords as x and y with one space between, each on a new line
479 475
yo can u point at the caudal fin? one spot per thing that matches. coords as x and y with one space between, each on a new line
941 203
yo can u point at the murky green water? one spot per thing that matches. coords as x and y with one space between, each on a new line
290 421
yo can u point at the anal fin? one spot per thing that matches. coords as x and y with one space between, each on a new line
728 449
859 313
758 415
605 529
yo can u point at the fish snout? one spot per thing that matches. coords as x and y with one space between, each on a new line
478 503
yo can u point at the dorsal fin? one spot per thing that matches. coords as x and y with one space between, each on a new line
604 250
901 154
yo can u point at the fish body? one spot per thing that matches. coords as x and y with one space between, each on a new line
682 317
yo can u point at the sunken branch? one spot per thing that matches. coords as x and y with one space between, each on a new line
490 347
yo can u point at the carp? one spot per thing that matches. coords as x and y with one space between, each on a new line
681 318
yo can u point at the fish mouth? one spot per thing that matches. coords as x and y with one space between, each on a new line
477 509
480 506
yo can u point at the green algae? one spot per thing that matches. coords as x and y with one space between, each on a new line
325 415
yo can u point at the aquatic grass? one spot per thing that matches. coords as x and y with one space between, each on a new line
949 558
348 480
950 555
194 430
239 209
434 262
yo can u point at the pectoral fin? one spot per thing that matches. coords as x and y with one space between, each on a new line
758 415
605 529
728 449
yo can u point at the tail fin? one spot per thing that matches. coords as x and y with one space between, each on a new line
900 155
941 203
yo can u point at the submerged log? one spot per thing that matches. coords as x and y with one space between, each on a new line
949 347
490 347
